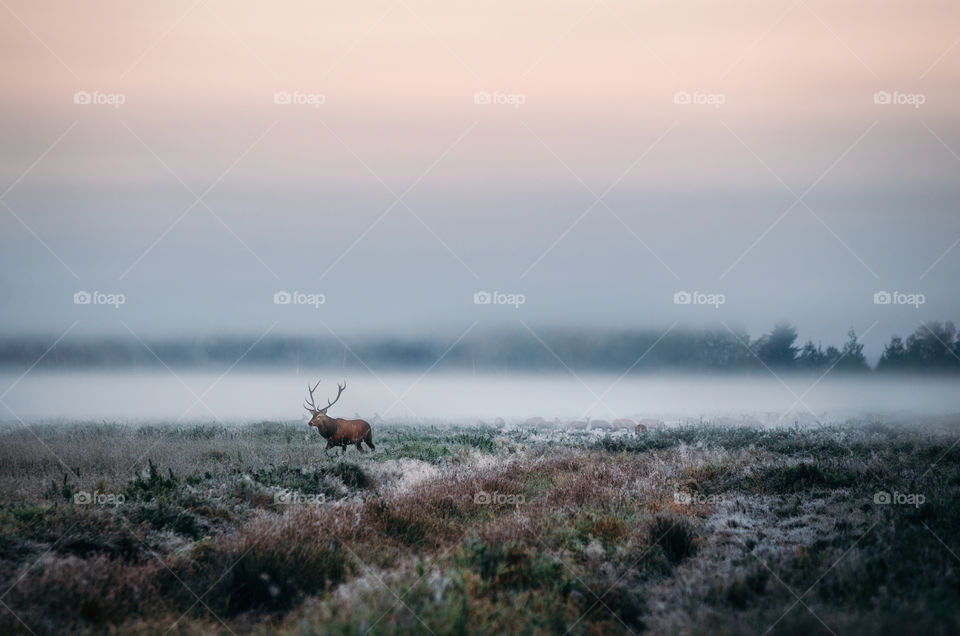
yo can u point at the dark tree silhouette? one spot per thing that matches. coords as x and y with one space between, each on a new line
830 356
852 358
894 357
723 350
811 357
776 349
930 347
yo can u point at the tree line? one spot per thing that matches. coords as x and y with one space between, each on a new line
932 347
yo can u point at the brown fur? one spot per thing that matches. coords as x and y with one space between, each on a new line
340 432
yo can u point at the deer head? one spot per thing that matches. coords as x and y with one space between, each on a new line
325 424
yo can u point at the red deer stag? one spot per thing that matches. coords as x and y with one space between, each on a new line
336 430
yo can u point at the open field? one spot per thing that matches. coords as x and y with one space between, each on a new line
697 528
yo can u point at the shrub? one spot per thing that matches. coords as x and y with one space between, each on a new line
609 529
63 490
514 565
674 535
395 523
155 486
165 516
799 477
272 566
484 442
69 591
313 481
351 475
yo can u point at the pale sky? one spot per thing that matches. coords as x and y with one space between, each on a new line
500 196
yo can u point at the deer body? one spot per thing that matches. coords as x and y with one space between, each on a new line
340 432
336 430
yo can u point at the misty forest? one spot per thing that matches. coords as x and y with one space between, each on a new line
932 348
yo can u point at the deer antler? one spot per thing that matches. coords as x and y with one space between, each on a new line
311 406
340 389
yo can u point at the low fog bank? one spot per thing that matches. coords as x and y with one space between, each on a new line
933 347
241 396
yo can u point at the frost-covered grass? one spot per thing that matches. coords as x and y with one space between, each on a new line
474 529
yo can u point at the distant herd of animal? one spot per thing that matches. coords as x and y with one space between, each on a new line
340 432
